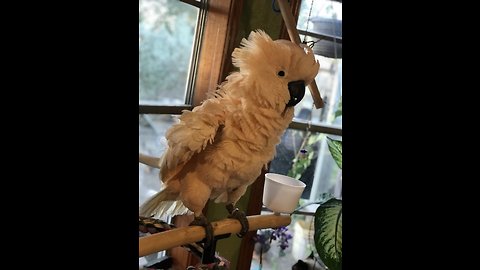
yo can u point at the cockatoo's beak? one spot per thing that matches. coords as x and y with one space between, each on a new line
297 91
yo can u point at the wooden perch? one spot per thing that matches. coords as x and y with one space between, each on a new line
295 37
153 162
191 234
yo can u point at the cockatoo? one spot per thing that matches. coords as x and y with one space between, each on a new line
219 148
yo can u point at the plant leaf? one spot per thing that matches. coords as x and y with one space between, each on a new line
328 233
335 148
338 112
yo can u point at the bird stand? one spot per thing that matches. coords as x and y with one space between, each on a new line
208 255
192 234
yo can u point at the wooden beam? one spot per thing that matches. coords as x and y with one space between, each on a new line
181 236
295 6
214 41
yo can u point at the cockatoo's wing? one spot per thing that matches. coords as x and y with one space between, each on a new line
196 129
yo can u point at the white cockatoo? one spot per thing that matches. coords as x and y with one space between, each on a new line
219 148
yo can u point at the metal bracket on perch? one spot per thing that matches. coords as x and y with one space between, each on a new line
209 251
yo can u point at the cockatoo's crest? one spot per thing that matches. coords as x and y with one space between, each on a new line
271 65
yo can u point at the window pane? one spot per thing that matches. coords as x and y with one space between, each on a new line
152 142
167 30
325 18
316 168
320 9
329 83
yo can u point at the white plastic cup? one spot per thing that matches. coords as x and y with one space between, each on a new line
281 193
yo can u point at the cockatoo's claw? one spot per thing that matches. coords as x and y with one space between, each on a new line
241 217
202 221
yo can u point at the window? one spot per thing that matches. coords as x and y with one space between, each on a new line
179 43
168 49
167 39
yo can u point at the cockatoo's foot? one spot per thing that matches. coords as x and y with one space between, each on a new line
202 221
240 216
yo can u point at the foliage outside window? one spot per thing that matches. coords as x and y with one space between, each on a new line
167 32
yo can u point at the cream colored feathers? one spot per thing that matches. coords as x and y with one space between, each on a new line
219 148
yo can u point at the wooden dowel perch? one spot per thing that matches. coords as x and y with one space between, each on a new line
185 235
150 161
295 37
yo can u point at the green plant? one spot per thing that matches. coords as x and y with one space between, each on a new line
328 221
328 217
304 157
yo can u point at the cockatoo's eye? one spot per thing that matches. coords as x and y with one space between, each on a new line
281 73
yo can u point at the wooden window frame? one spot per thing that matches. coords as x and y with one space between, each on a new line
211 58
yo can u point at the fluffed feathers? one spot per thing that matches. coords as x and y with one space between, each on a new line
159 204
219 148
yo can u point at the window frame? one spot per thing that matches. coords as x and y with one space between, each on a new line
216 28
